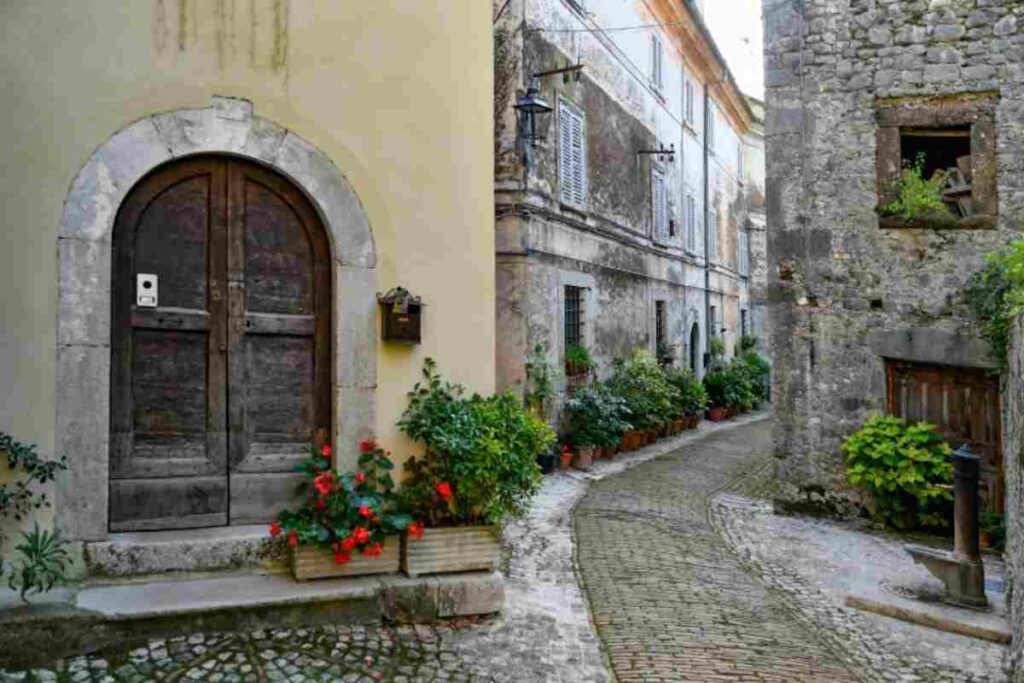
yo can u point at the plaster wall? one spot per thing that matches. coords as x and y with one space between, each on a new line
397 96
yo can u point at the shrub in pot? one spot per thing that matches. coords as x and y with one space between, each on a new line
577 360
692 398
640 382
759 374
716 385
904 469
479 464
350 522
595 418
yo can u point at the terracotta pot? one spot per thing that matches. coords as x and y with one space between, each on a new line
652 436
451 549
314 562
716 414
985 539
565 459
584 458
732 411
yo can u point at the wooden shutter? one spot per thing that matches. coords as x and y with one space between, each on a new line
579 155
691 224
713 234
659 210
565 154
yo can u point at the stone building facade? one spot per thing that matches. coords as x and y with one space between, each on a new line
867 313
1014 456
600 241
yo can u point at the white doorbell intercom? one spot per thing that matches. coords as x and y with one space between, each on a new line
145 290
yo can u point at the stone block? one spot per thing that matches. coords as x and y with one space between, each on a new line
194 131
461 595
355 326
84 300
410 601
355 419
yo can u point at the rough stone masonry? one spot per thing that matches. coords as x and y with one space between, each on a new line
846 79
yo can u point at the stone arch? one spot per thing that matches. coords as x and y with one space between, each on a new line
84 252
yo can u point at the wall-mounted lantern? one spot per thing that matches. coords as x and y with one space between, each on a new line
533 114
401 313
663 153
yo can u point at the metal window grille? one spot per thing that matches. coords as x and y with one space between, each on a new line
743 322
743 257
573 316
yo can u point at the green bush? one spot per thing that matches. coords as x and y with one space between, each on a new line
693 399
759 373
651 400
994 524
904 468
596 417
578 360
715 387
739 386
481 453
918 198
996 297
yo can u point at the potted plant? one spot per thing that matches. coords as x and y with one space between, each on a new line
595 419
577 360
640 382
479 465
350 522
715 384
565 458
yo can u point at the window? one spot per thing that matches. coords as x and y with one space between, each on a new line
952 140
573 316
712 234
743 322
660 330
572 156
743 255
656 61
659 209
710 132
691 223
713 322
688 105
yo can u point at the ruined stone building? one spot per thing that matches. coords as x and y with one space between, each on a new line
626 223
867 311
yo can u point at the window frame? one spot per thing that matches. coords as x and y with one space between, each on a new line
660 324
657 62
743 253
688 102
578 336
573 195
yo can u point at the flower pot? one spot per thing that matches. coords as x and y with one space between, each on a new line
443 550
732 411
584 458
565 459
985 539
694 421
314 562
716 414
576 369
652 436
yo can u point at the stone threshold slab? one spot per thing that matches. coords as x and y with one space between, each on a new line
990 626
125 614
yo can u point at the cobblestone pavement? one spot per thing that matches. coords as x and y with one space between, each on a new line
670 601
819 562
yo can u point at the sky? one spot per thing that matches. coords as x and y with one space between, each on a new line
736 26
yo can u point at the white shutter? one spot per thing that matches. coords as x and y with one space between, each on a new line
579 156
691 224
565 157
713 234
744 255
659 208
656 60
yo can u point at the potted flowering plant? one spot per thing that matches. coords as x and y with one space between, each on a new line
479 465
344 527
595 420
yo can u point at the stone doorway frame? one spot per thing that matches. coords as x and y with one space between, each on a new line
84 245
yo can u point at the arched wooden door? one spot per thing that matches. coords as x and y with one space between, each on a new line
217 389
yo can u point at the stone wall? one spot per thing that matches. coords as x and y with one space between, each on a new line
843 292
1013 454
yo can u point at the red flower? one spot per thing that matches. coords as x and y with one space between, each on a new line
324 483
367 446
348 543
361 534
341 557
360 477
373 550
326 451
293 538
365 511
444 489
275 529
415 531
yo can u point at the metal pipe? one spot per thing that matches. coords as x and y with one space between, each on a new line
966 468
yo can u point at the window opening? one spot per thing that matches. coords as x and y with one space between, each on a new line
573 316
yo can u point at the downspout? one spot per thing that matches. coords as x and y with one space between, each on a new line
708 323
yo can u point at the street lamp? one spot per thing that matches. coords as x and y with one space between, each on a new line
533 113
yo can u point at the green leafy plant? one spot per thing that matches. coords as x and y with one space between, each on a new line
664 353
994 524
577 360
640 381
715 387
917 197
905 469
759 373
692 398
747 343
480 460
996 296
345 513
716 354
43 563
539 381
595 417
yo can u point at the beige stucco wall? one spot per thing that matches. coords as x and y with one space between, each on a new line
397 94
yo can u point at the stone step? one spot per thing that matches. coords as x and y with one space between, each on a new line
103 617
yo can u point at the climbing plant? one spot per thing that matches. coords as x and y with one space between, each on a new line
996 295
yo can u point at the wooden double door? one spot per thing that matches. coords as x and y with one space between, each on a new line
964 403
219 384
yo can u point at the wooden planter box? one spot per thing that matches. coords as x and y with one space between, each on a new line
313 562
444 550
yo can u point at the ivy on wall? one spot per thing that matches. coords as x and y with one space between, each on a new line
996 296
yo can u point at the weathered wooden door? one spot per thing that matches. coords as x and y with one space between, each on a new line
965 405
218 388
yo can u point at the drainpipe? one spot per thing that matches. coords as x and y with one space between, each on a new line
708 323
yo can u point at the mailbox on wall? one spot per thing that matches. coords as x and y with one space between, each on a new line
402 315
